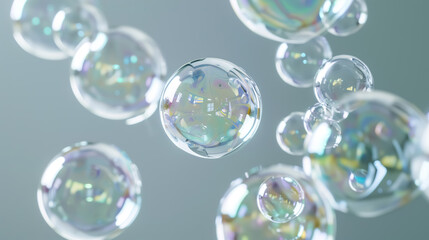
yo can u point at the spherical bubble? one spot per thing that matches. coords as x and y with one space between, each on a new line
341 76
280 199
315 115
32 26
368 172
352 21
291 134
289 20
298 63
71 25
119 75
210 107
90 191
239 216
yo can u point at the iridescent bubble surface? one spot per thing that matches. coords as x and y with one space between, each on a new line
281 199
239 216
369 171
341 76
291 134
298 63
289 21
352 21
119 75
210 107
72 25
90 191
32 26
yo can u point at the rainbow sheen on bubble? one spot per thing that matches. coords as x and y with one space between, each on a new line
90 191
119 75
291 134
352 21
210 107
289 20
239 216
369 171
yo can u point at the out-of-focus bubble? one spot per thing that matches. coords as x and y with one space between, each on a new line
291 134
32 26
239 216
352 21
341 76
72 25
368 172
281 199
289 20
119 75
90 191
210 107
298 63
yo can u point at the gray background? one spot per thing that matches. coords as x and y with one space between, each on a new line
40 116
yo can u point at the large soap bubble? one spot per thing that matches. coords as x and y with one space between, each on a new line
370 172
289 21
210 107
239 216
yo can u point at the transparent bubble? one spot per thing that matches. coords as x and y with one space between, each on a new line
32 26
239 216
119 75
71 25
341 76
352 21
316 115
280 199
210 107
289 20
291 134
298 63
90 191
369 171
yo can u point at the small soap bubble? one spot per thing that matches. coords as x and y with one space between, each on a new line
32 26
315 115
90 191
72 25
291 134
358 180
298 63
119 75
341 76
352 21
289 20
280 199
210 107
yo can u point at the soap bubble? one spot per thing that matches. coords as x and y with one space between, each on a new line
210 107
32 26
239 216
90 191
341 76
368 172
291 134
352 21
71 25
289 20
298 63
119 75
280 199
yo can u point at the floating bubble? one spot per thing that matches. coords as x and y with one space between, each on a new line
341 76
280 199
298 63
32 26
210 107
239 216
72 25
352 21
291 134
315 115
119 75
368 172
90 191
289 20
